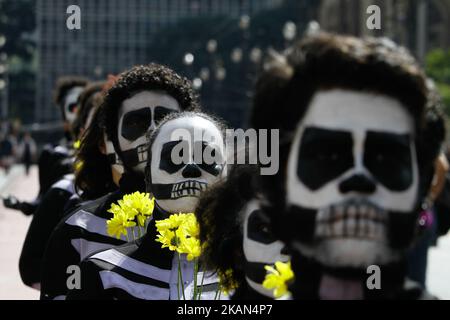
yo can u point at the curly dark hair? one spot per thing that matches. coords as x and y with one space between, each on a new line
63 86
86 103
327 61
221 231
93 176
145 77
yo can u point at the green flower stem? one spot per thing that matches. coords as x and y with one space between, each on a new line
201 286
139 231
181 276
217 293
195 278
178 282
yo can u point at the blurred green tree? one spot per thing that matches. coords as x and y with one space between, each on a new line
438 68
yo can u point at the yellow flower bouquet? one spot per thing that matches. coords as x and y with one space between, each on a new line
180 233
130 216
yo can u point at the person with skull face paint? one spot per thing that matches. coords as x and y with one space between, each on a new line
360 133
142 269
55 161
51 208
134 103
236 235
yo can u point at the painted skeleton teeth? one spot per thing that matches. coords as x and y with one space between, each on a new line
142 152
353 220
187 188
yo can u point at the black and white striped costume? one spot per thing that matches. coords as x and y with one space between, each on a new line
79 234
140 270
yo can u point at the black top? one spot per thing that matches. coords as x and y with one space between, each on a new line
48 214
79 234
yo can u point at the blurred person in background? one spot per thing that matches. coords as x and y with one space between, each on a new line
27 151
7 152
55 161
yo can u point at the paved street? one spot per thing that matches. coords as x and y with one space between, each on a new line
14 225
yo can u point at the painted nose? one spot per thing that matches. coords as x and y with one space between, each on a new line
191 171
357 183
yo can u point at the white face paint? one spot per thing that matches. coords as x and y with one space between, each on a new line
353 159
70 104
113 157
137 115
177 185
260 247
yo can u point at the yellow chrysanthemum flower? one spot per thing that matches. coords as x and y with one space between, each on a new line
118 225
190 246
180 233
168 239
133 209
138 206
77 144
277 278
173 222
191 225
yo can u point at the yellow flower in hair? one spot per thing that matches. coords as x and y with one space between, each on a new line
227 283
118 225
277 278
77 144
78 165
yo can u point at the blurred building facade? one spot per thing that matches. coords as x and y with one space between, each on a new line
114 35
417 24
118 34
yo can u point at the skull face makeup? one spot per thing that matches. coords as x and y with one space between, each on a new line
352 166
113 157
176 187
260 247
70 104
137 115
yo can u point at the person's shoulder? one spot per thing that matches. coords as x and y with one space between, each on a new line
414 291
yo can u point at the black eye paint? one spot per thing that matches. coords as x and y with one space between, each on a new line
212 168
323 156
166 163
388 158
161 112
258 228
135 123
72 107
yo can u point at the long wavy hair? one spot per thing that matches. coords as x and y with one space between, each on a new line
93 176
